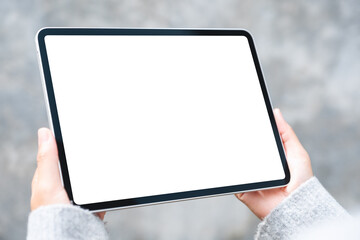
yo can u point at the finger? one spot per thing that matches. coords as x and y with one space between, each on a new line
262 202
101 215
254 201
47 158
287 134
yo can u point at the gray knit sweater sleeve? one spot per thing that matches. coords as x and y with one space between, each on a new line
309 205
64 222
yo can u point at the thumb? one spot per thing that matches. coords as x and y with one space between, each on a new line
287 134
47 158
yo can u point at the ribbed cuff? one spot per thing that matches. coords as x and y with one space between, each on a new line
64 222
309 204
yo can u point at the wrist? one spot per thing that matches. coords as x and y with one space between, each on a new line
307 205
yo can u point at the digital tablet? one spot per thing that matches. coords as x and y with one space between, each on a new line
144 116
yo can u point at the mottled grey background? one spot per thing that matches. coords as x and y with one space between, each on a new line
309 51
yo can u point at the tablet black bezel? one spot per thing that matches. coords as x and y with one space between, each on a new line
164 197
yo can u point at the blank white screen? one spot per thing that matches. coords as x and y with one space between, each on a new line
149 115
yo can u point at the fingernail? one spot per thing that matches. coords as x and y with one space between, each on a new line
43 135
279 112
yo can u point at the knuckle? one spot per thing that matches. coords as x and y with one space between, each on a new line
41 155
45 187
240 196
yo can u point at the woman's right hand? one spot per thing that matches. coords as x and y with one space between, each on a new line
261 203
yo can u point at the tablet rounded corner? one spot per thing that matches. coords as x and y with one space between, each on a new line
41 33
287 177
248 34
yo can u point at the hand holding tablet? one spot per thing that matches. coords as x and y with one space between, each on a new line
260 202
162 114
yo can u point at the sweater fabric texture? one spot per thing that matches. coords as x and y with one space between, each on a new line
297 217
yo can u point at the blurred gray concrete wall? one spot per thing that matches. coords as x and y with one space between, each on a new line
309 51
